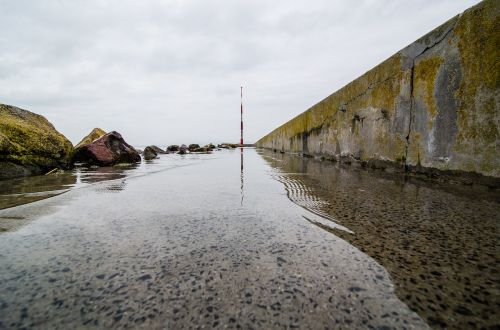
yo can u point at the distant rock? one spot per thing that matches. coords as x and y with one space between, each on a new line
92 136
29 144
173 148
228 145
183 149
150 153
110 149
158 150
203 150
194 146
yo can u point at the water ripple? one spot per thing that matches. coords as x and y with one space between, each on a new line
302 196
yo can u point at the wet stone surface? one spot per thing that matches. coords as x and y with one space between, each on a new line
438 242
201 244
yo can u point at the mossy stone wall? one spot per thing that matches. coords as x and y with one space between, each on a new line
432 105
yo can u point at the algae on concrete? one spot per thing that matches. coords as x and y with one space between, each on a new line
434 105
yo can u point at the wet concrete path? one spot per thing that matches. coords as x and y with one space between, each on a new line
198 243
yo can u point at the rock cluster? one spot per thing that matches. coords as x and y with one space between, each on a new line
153 151
203 150
29 144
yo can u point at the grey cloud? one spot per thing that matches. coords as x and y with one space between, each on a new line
170 71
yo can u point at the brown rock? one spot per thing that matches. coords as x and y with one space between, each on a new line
108 150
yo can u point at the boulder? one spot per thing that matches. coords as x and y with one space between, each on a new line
183 149
194 146
29 144
91 137
158 150
150 153
173 148
110 149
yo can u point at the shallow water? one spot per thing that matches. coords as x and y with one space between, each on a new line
232 239
191 241
439 242
20 191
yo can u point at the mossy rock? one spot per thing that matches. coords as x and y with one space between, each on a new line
91 137
29 144
150 153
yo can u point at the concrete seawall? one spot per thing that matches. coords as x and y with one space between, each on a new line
433 107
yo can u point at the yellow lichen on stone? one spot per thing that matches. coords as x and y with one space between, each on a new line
377 88
478 116
93 135
29 139
387 84
425 74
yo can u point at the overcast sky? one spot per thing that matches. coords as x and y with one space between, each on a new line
164 72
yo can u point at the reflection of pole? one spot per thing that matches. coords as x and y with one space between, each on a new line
241 138
241 176
241 143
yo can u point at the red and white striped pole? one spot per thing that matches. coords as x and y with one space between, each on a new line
241 138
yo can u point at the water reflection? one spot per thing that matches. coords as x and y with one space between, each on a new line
439 242
97 174
114 186
20 191
304 197
25 190
241 175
